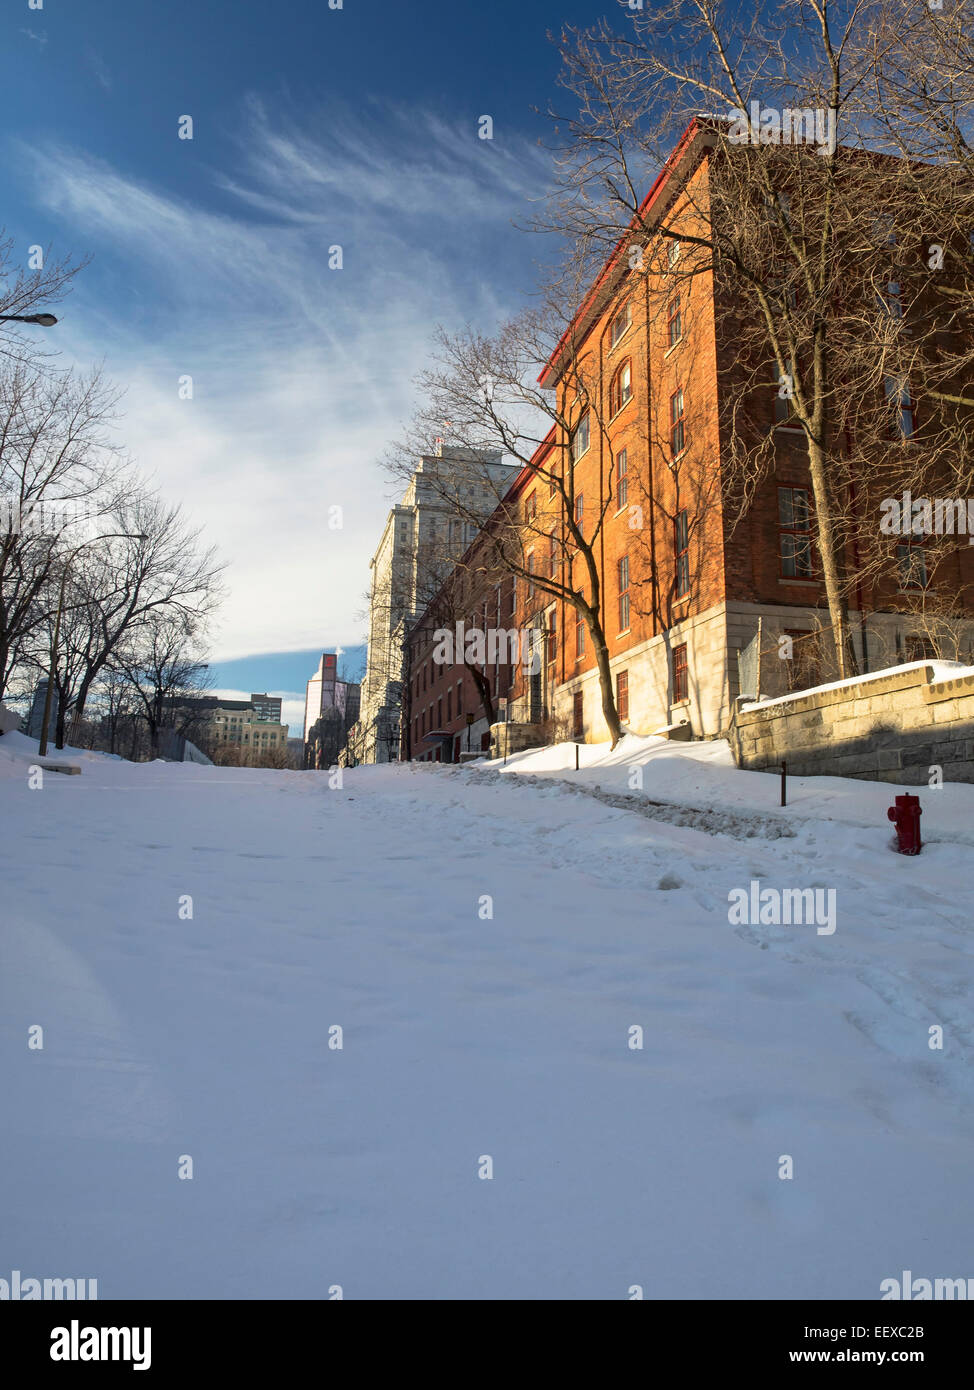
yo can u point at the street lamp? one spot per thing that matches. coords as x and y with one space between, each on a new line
44 320
48 694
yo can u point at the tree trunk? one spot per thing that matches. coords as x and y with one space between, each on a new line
81 699
62 714
609 712
831 564
483 689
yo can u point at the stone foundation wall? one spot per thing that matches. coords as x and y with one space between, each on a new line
894 727
514 738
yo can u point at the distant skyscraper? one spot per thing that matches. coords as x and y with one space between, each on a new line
331 706
320 690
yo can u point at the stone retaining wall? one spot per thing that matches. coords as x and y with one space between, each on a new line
894 727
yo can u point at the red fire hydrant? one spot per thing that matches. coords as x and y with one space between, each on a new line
906 817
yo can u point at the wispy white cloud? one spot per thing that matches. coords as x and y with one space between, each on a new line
300 374
40 39
406 162
100 68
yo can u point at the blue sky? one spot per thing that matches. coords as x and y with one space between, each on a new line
311 127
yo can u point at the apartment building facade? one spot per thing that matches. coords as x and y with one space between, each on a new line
684 584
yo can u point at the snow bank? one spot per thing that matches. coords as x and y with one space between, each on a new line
703 776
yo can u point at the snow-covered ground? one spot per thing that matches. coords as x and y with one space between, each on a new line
467 1035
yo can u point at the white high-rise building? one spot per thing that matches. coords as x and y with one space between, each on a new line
423 536
329 700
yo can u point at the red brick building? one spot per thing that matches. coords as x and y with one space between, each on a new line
682 589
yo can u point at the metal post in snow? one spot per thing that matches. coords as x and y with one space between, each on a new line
576 757
784 775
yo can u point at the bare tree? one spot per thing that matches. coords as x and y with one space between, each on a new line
487 391
165 670
154 564
58 470
794 218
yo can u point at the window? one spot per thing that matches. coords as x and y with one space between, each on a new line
439 713
622 478
620 389
621 323
680 682
779 205
552 558
579 510
459 698
674 322
579 634
623 593
449 705
672 254
578 715
891 303
677 424
786 292
581 438
901 406
552 635
912 562
784 396
622 695
530 568
553 482
531 507
795 532
681 544
883 231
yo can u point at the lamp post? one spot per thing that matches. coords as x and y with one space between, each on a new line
44 320
48 694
